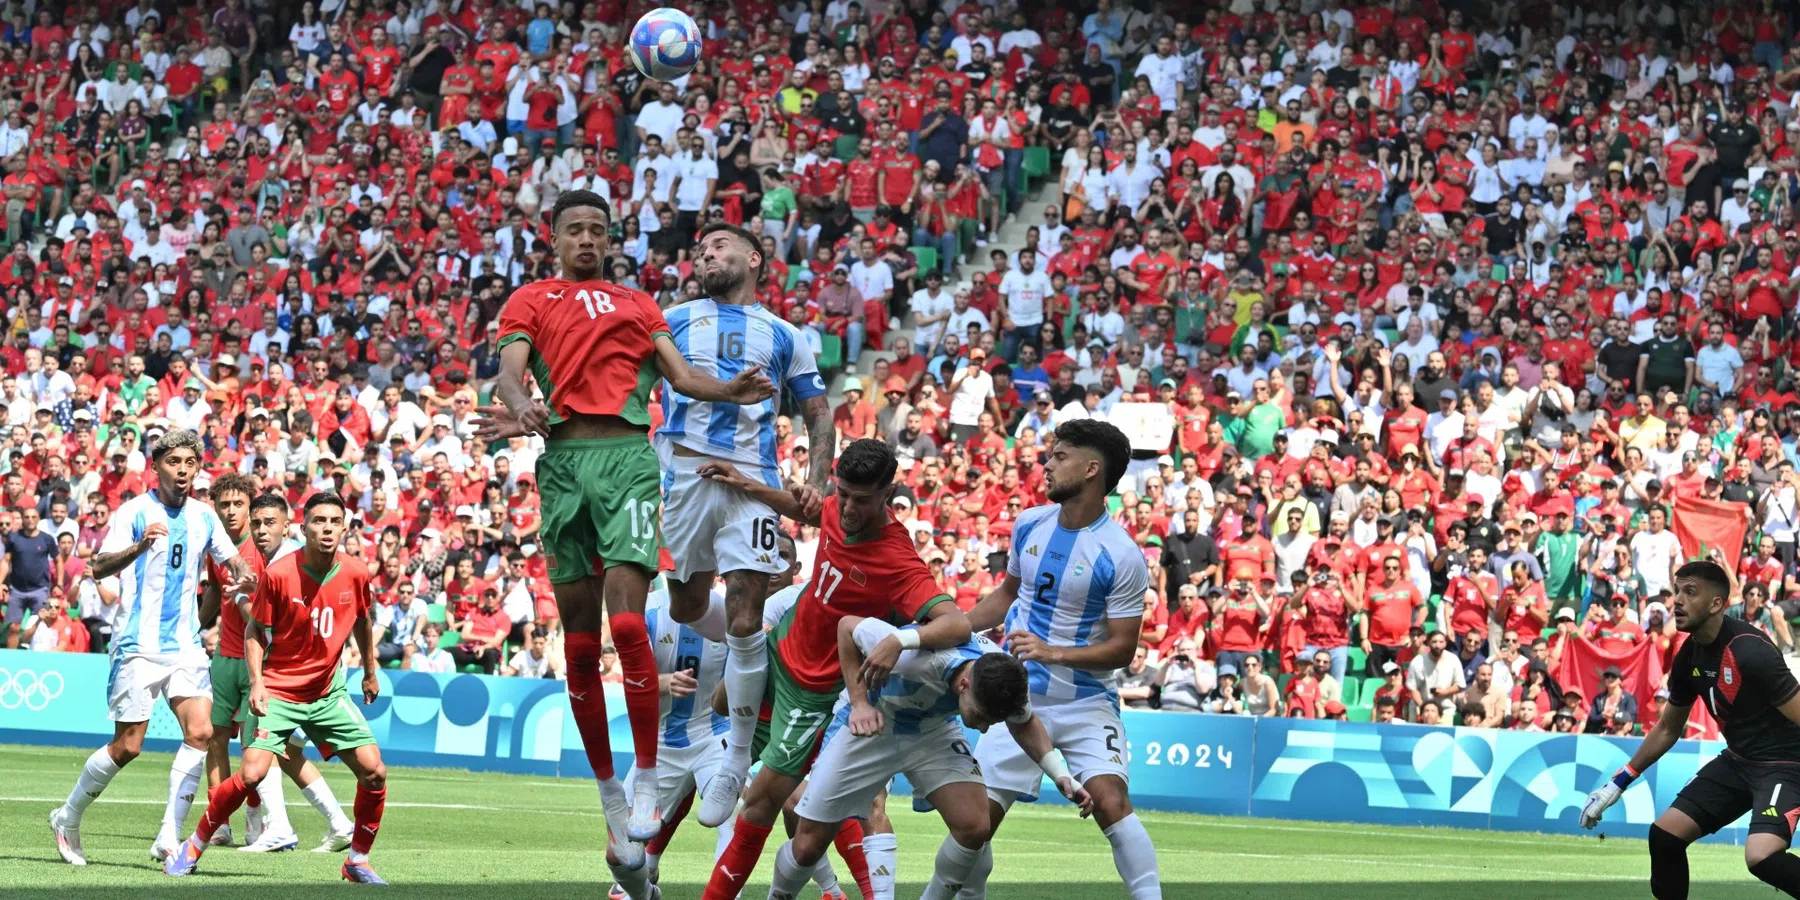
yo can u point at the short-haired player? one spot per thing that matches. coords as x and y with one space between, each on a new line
307 605
162 537
596 349
1072 603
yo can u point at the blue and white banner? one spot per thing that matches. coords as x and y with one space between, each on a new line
1221 765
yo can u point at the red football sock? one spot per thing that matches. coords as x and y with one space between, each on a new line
368 808
581 653
671 821
849 846
643 704
220 804
737 862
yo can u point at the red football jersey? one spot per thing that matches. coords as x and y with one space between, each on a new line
231 622
310 616
875 579
593 346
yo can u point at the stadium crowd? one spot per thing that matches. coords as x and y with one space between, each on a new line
1426 317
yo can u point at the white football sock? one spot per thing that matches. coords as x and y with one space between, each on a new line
96 774
274 802
184 780
954 863
882 852
789 876
1135 858
746 675
322 799
975 886
636 882
825 876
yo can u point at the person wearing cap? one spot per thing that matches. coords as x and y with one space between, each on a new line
855 417
1612 700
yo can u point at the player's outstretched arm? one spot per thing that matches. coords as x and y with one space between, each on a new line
1029 731
749 386
989 612
1656 742
1113 653
787 503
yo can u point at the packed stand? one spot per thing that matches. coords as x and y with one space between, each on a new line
1424 322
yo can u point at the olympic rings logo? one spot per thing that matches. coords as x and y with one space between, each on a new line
29 689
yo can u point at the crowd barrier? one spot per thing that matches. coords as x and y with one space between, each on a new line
1220 765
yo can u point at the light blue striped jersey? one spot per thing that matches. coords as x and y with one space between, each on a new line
158 614
689 720
722 340
1070 584
917 695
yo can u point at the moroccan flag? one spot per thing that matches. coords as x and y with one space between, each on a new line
1583 661
1706 525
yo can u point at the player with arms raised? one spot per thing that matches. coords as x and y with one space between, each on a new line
258 529
1073 605
156 543
1739 673
308 604
865 567
709 527
596 350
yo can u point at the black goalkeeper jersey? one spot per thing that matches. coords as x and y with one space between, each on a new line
1742 679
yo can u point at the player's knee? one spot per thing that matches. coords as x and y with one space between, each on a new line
971 834
374 779
808 844
123 752
199 736
1662 841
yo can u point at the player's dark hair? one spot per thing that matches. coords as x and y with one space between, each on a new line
268 501
1103 438
234 483
1706 571
1000 685
323 498
743 234
568 200
867 463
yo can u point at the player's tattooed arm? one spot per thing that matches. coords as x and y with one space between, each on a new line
990 611
749 386
865 718
821 440
110 564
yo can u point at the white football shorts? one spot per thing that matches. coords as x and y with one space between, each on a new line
1089 733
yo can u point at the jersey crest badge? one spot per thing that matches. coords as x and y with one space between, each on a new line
857 576
1726 675
1079 570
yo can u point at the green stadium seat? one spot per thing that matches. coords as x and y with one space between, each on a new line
927 258
1361 714
1358 661
831 353
436 613
793 277
1281 683
1114 504
1037 162
1369 687
845 148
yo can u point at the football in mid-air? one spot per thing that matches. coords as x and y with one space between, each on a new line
665 44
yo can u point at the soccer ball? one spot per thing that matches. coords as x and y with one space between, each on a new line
665 44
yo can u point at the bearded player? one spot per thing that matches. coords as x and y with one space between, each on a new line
308 604
258 529
596 350
865 567
1073 605
711 528
1739 673
156 543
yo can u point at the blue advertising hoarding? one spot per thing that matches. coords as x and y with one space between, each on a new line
1220 765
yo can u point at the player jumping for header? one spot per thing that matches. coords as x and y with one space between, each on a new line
1747 687
711 528
865 567
156 543
1073 605
307 605
257 526
596 350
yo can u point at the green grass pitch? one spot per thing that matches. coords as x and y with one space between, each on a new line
453 834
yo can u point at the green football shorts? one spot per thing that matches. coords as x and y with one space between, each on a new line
797 721
231 687
602 500
332 722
